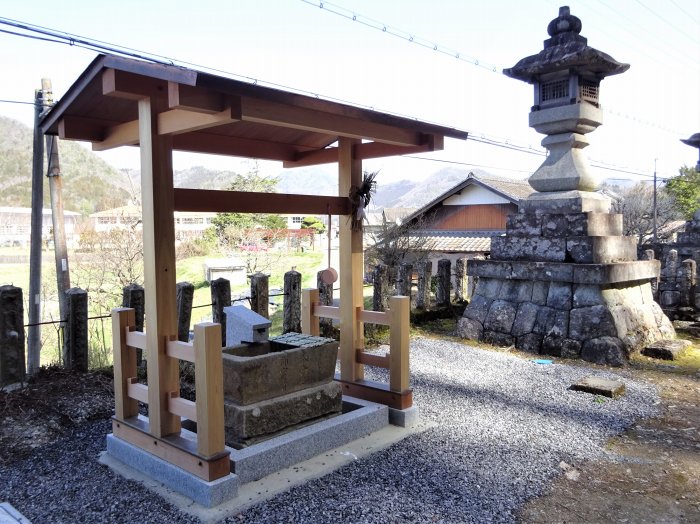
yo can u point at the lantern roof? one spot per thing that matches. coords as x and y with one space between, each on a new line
565 50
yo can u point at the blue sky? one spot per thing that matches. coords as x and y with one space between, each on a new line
298 44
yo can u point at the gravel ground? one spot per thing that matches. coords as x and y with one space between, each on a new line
502 427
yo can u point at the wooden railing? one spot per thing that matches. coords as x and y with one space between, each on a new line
398 393
209 459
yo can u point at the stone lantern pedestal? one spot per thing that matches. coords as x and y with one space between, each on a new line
563 280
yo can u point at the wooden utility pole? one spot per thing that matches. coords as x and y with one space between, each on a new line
34 299
59 230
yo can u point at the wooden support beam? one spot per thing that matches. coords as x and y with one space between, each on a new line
197 99
131 86
209 383
374 317
174 449
182 407
365 151
202 142
380 361
327 312
138 392
124 363
399 312
309 321
159 269
351 268
248 202
126 134
136 339
180 350
376 392
273 113
173 122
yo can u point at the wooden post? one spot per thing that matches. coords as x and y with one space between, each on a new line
399 310
159 269
309 322
185 295
59 230
35 247
209 383
351 267
124 363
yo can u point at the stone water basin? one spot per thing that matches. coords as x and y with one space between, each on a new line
274 385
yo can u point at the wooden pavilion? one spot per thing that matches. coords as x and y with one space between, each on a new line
162 108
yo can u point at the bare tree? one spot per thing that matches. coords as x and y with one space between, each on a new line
396 243
635 205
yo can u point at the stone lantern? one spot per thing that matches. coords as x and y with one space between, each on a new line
566 76
564 280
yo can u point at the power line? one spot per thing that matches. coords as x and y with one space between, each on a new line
399 33
672 26
16 102
79 41
686 13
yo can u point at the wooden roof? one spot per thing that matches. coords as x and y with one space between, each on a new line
205 113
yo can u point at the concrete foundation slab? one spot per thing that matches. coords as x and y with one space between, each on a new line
600 386
207 494
405 418
9 515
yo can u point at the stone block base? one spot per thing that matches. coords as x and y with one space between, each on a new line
667 349
255 421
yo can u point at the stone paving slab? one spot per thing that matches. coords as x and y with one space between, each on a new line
667 349
9 515
600 386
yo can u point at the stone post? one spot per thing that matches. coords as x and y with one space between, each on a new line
260 294
649 255
134 297
404 282
686 282
325 298
442 294
291 320
425 272
472 280
669 296
460 279
220 298
12 368
380 295
185 295
75 345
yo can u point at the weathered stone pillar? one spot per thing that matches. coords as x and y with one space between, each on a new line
292 302
472 280
425 272
686 282
12 368
75 346
460 279
325 297
220 298
442 294
380 295
405 280
669 295
260 294
649 255
133 296
185 295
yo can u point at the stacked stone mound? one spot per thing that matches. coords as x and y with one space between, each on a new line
678 292
563 281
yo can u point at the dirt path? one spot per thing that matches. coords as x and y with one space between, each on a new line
658 478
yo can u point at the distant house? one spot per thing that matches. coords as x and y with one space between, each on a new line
187 224
461 221
15 225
